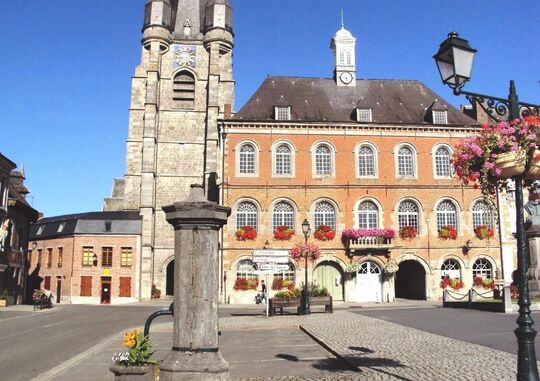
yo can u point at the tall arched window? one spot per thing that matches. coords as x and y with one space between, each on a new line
283 215
246 215
247 159
287 274
184 90
246 269
482 268
368 215
443 168
366 161
283 160
323 160
446 214
405 162
451 269
324 214
408 214
482 214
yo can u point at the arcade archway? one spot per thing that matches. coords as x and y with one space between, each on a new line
410 282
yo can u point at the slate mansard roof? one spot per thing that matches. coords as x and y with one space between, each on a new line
107 223
321 100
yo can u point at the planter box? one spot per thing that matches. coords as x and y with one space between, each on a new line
280 303
135 373
325 301
513 164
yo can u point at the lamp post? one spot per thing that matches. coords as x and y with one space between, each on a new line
454 61
305 293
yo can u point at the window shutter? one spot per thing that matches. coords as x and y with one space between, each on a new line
86 286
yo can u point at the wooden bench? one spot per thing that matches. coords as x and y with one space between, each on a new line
276 303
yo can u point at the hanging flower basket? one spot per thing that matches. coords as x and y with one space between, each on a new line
408 232
447 232
324 233
300 250
283 233
390 268
246 233
353 267
483 232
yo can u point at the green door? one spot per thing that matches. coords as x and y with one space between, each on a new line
327 274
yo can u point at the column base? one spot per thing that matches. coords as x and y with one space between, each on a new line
194 366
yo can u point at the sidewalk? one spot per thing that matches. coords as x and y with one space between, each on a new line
295 348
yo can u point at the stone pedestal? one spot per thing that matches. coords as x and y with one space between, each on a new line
533 272
195 355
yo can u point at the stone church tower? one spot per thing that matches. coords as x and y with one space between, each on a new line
182 86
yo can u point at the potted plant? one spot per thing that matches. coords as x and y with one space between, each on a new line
246 233
3 298
390 268
447 232
483 232
408 232
478 281
283 233
499 152
305 250
324 233
136 364
352 267
455 284
367 236
280 284
243 284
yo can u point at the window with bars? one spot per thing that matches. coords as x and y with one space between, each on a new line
368 215
443 167
405 162
106 256
247 159
366 161
324 214
283 160
363 115
323 160
283 215
482 214
446 215
87 256
439 117
126 257
246 269
246 215
282 113
408 215
451 269
184 90
482 268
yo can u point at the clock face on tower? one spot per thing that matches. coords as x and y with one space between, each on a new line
346 77
184 56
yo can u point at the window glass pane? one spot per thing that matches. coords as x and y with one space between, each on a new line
368 215
405 162
283 215
283 160
366 162
439 117
482 215
325 214
451 269
247 159
482 268
246 215
246 269
87 256
442 162
446 215
323 160
408 215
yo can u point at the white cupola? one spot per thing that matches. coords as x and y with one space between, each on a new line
343 45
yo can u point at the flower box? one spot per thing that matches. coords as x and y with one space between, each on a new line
282 303
246 233
447 232
243 284
368 238
408 232
456 284
283 233
135 373
483 283
324 233
483 232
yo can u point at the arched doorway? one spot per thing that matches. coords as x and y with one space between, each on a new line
328 274
170 279
411 281
368 286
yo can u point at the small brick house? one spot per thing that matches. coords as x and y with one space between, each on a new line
87 258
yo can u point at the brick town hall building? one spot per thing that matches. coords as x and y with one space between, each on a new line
336 151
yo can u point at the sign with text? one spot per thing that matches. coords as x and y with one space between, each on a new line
273 267
271 256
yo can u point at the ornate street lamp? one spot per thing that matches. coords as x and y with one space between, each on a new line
454 60
305 292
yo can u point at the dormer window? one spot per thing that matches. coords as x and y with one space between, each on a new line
282 112
40 230
61 227
439 117
108 226
363 115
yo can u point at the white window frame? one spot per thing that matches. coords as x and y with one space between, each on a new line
314 148
375 160
436 148
364 115
450 268
378 216
481 216
325 215
237 158
482 271
407 216
282 112
444 213
414 164
248 219
273 219
292 158
439 116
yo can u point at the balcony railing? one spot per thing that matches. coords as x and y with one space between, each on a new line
369 243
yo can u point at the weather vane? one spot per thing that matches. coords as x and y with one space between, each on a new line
342 23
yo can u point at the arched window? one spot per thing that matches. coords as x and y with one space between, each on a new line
247 159
287 274
369 267
184 90
368 215
405 164
283 215
246 269
366 161
283 160
443 167
324 214
246 215
482 268
451 269
446 215
482 214
323 160
408 214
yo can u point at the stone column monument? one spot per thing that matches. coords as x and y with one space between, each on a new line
533 236
195 354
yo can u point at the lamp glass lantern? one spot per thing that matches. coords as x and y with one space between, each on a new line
454 61
305 228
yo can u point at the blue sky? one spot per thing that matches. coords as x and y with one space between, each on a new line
66 69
